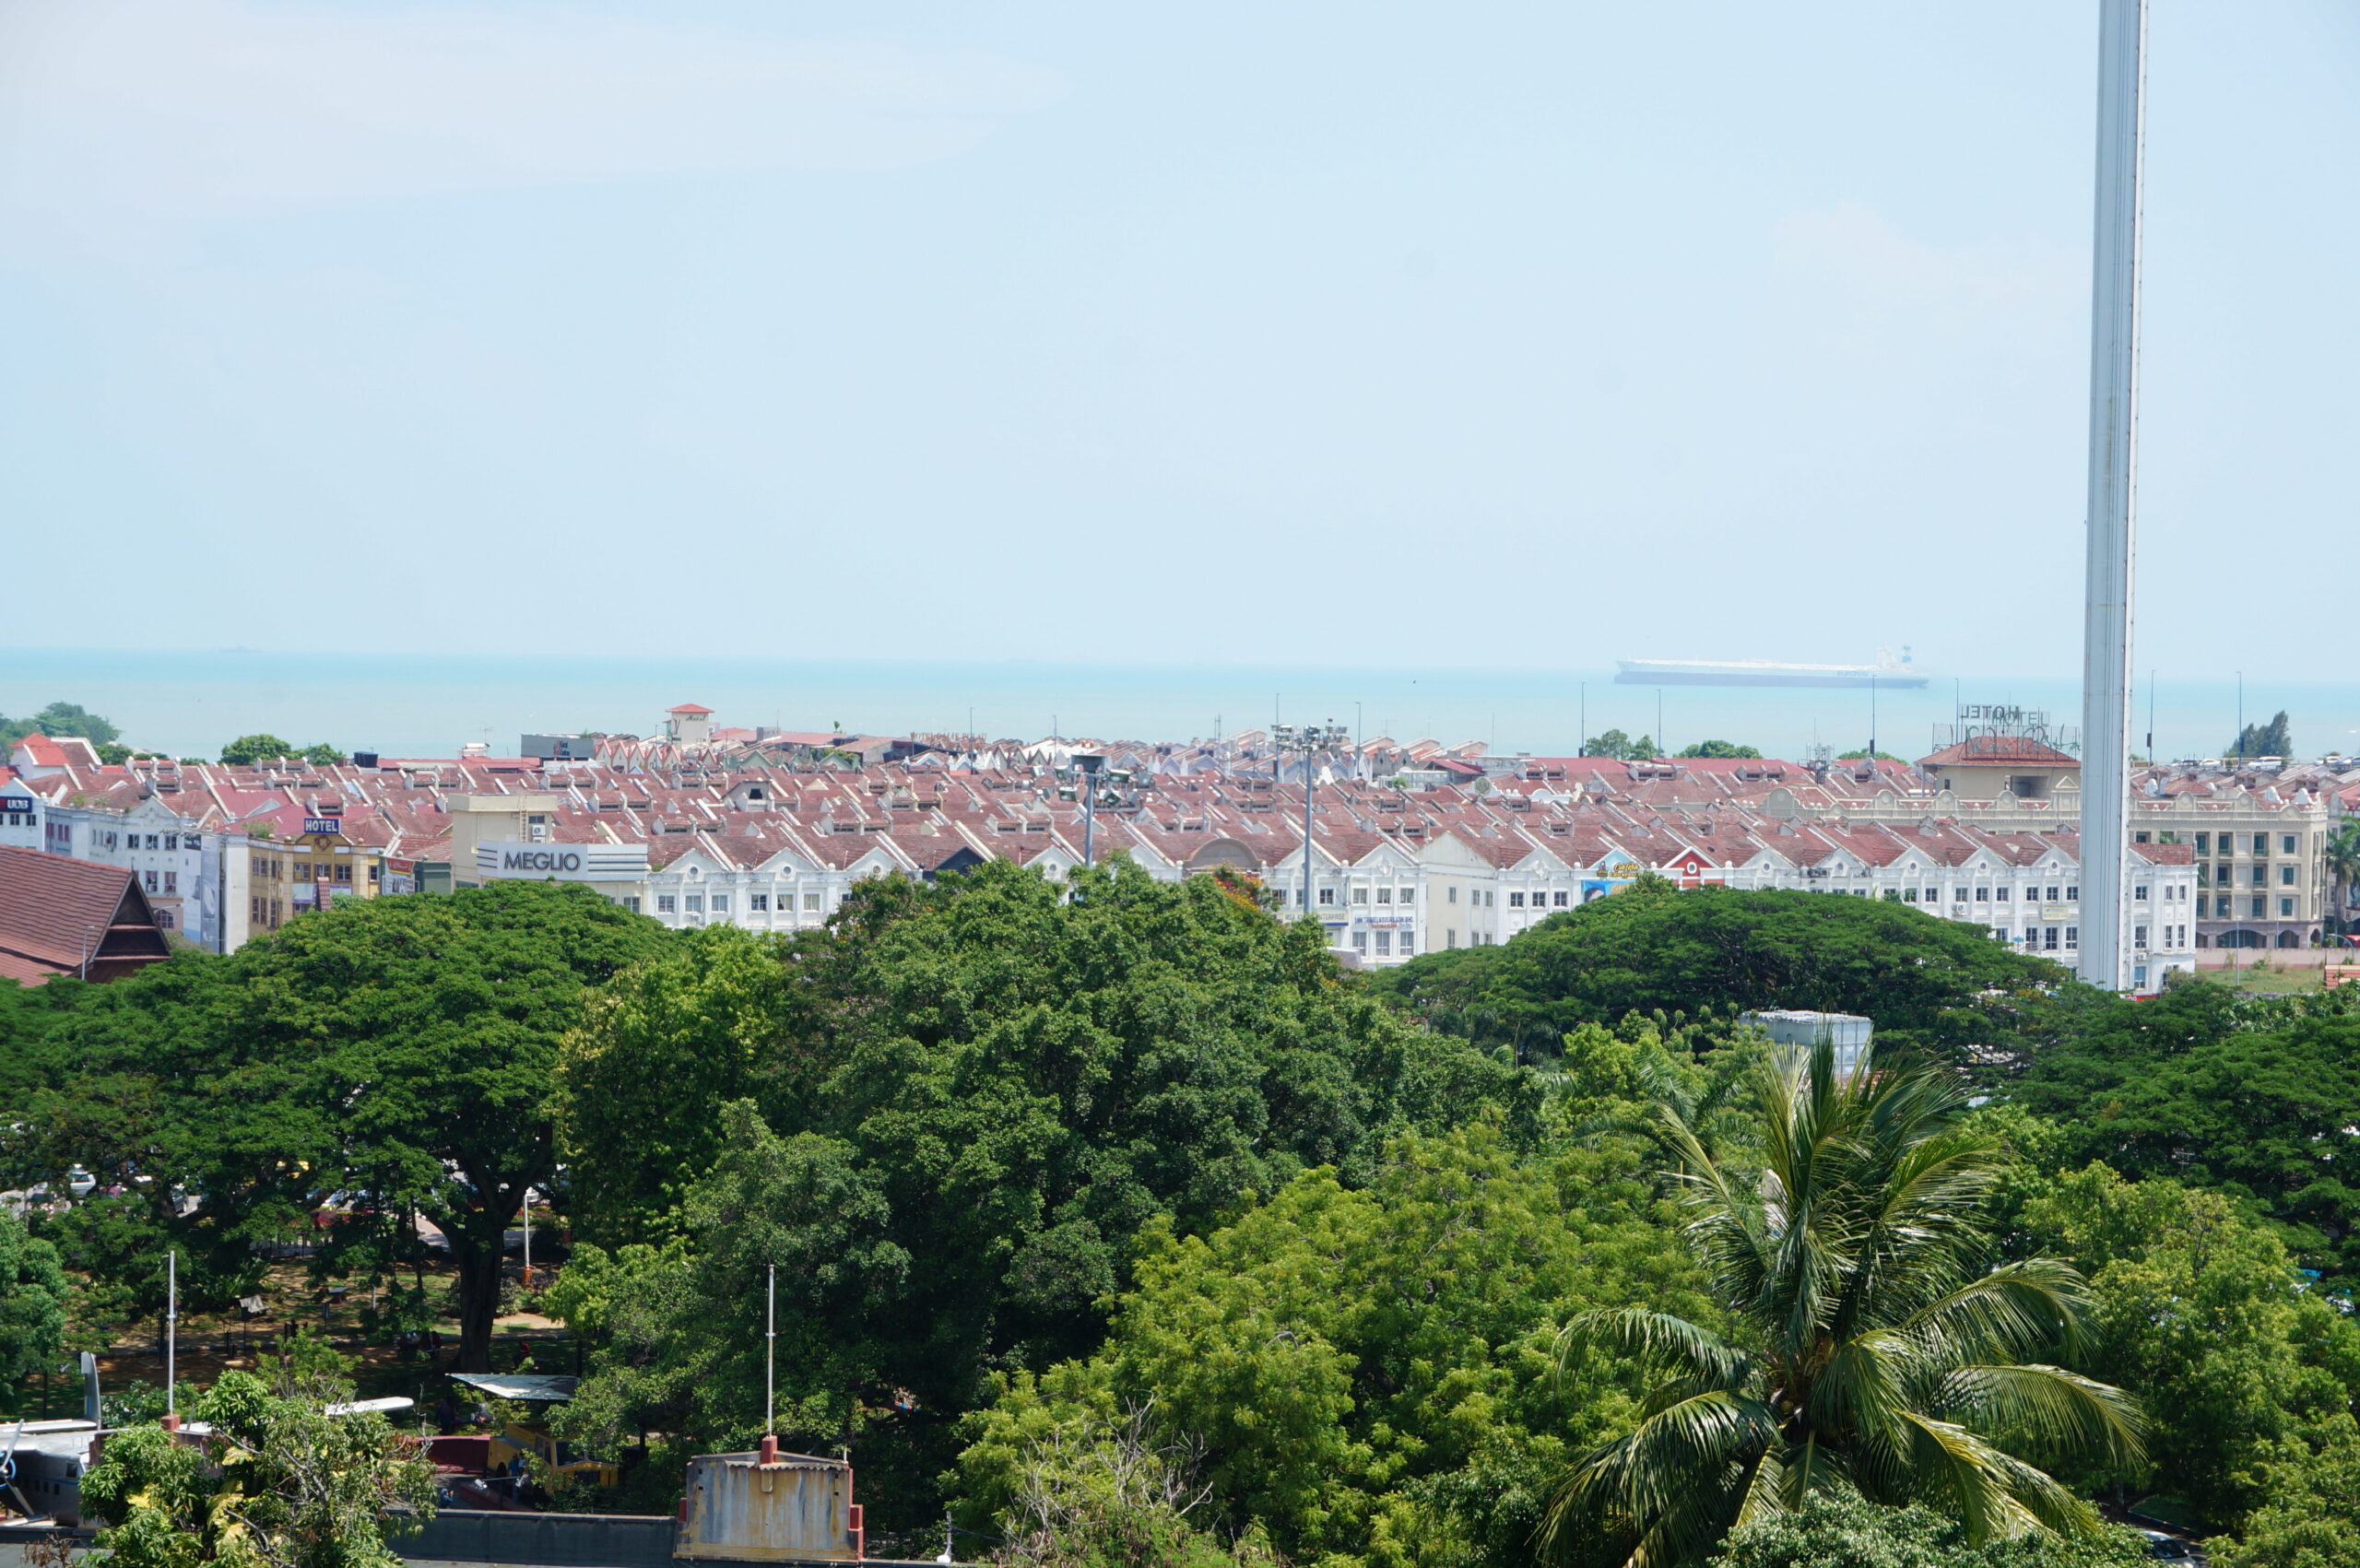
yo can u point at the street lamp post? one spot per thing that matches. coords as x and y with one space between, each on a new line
1305 742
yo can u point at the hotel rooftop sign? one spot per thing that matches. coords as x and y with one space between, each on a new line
563 862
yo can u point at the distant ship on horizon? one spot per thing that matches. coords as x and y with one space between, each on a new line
1887 674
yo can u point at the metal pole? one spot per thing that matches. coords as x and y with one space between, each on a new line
171 1327
1306 835
528 1238
2111 539
769 1357
1089 817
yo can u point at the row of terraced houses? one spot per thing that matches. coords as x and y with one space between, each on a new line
1412 848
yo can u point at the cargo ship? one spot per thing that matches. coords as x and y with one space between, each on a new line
1888 673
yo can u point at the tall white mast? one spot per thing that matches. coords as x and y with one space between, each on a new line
2114 425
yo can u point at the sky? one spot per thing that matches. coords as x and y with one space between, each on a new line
1520 335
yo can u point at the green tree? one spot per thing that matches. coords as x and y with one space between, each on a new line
1863 756
1876 1348
1370 1376
1719 748
1012 1077
2310 1518
320 756
61 719
723 1013
2260 1098
393 1056
1851 1532
1928 982
2272 739
2197 1308
2342 858
33 1295
277 1483
250 749
1618 745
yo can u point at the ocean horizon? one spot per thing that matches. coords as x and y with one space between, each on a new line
188 703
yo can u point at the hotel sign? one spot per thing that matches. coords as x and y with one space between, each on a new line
323 827
563 862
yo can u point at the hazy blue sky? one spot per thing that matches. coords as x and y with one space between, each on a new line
1314 333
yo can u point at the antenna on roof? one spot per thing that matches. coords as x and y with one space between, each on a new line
770 1371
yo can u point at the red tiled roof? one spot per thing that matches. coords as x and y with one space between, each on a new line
58 914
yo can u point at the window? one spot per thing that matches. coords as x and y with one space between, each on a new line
164 920
2139 893
171 884
1516 901
759 903
302 870
344 871
2260 875
1328 895
1384 944
172 841
1409 944
253 911
2073 895
1909 895
1359 895
2137 936
2142 838
812 901
1409 895
1450 936
2260 908
2222 874
666 903
1983 895
1385 895
630 901
151 881
2202 902
2048 938
2285 875
2072 936
1933 895
2285 844
721 903
1563 899
2285 909
2205 843
1490 900
1454 899
1360 942
153 842
1958 894
2001 894
2261 844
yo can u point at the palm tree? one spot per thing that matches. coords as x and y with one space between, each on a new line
1876 1349
2342 860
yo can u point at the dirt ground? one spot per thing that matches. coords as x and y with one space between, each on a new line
210 1342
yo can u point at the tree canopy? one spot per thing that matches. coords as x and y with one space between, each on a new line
275 1480
1925 981
33 1294
1369 1374
1876 1347
2272 739
391 1057
987 1086
61 719
2258 1097
1717 749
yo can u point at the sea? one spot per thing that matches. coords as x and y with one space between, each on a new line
189 702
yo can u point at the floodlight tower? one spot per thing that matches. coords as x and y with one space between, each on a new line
2114 427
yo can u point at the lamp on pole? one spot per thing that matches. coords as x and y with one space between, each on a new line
1305 742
